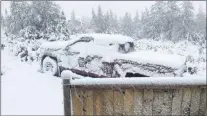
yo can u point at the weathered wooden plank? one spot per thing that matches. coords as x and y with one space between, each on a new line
138 101
157 101
186 99
108 102
129 102
118 102
203 108
98 102
176 101
148 100
195 101
88 102
77 101
167 102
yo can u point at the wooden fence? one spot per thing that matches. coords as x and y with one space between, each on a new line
134 97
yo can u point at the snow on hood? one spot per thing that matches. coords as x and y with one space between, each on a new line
110 54
107 38
170 60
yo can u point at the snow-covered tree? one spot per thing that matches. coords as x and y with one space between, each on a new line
126 25
18 16
75 24
72 23
111 23
156 21
201 20
172 27
100 21
188 24
115 25
93 21
201 26
35 18
107 23
2 21
145 24
47 13
136 26
62 28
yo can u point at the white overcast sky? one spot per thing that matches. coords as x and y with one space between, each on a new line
83 8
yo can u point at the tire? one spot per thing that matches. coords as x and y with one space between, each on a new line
50 66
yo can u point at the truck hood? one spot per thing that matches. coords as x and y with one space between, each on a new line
110 54
170 60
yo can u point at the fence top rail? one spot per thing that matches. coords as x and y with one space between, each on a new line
141 81
138 81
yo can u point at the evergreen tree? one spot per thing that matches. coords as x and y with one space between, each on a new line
18 16
100 21
2 21
113 24
62 26
73 23
136 25
127 28
157 22
172 18
188 24
201 25
145 21
201 20
93 21
72 16
39 16
107 24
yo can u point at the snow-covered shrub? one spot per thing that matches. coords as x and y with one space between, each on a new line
30 32
2 46
147 44
195 54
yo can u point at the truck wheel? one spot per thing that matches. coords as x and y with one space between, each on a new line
50 66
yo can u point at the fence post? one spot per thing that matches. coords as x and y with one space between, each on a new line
67 95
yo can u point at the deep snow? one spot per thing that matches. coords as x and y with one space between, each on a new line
25 91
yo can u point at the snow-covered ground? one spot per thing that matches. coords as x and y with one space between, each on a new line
25 91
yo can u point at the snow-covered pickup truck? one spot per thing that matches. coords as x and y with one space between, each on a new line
105 55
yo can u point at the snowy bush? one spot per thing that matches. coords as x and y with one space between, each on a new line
24 48
196 55
30 32
2 46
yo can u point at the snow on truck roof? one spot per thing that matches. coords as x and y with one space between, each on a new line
117 38
98 38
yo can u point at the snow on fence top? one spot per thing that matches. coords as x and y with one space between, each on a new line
141 81
66 74
146 81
